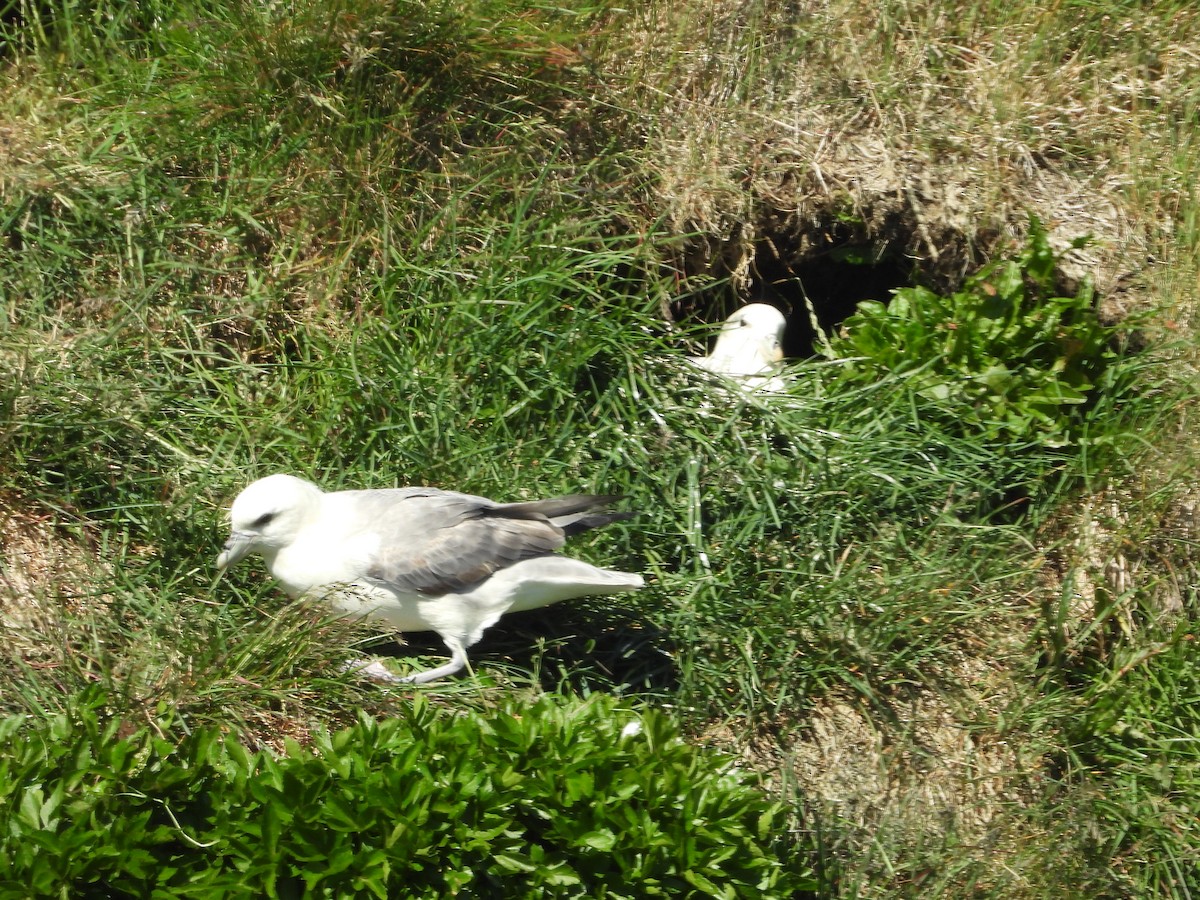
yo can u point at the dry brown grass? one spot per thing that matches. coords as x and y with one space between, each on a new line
922 128
44 576
37 560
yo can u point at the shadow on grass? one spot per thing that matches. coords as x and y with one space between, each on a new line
559 648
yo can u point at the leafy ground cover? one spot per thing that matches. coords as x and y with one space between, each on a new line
527 800
938 600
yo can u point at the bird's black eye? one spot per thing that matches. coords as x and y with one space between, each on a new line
263 520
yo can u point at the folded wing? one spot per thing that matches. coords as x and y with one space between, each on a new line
435 542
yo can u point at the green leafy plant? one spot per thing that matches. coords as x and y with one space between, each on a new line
549 798
1006 356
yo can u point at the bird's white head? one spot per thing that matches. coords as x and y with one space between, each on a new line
267 516
751 339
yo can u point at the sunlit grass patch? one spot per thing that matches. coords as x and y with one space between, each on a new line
938 595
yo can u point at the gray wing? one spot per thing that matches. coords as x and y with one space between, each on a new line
434 542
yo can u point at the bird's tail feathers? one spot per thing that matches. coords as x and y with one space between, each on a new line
572 512
582 523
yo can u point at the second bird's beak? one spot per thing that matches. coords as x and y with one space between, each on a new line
238 545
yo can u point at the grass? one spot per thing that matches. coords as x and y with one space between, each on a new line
434 244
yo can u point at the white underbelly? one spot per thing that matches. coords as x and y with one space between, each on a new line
391 611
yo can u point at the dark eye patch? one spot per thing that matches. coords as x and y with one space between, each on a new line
264 519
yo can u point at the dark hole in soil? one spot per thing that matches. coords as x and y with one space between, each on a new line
835 275
834 283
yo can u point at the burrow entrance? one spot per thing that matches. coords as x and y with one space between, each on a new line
821 272
827 287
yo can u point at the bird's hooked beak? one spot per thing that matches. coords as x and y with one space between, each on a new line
236 548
